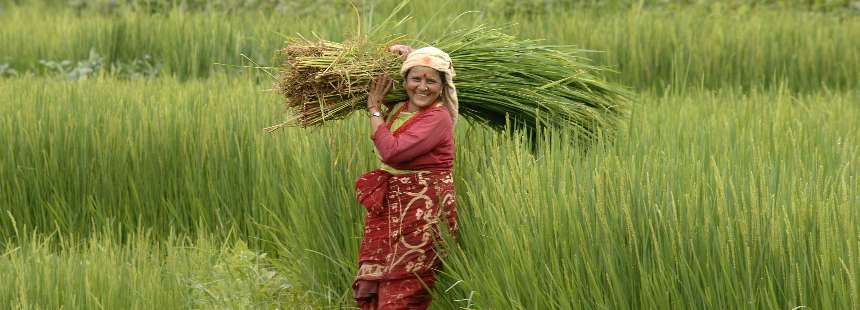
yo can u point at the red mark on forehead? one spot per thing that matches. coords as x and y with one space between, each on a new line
426 60
424 75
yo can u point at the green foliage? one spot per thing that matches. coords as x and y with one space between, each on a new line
734 185
651 48
113 7
5 70
143 68
694 48
709 200
504 6
706 200
704 203
239 278
82 70
60 271
109 139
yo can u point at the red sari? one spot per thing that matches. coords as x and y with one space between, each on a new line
398 254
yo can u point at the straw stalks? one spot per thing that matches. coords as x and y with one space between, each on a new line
501 81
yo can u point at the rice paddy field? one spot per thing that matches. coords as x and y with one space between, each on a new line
137 174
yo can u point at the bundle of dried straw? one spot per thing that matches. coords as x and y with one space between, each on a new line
501 81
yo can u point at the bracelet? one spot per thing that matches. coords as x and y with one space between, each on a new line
376 114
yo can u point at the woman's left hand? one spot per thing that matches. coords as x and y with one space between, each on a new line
379 87
400 50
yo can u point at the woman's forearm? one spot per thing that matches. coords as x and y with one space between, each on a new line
375 121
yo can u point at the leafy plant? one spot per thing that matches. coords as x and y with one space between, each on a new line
239 278
7 71
80 70
140 68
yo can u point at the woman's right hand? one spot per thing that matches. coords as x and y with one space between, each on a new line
379 87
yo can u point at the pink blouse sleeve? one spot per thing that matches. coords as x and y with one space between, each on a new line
421 137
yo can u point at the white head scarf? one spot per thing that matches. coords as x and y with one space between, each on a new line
440 61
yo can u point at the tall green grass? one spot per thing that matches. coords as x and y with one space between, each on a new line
62 272
651 48
158 154
707 199
711 200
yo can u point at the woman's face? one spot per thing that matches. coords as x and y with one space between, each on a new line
423 85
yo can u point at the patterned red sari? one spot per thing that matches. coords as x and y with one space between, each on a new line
406 213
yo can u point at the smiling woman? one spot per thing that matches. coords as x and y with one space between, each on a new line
413 191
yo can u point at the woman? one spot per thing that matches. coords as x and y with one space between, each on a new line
412 194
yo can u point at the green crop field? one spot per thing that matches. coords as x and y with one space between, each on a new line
137 175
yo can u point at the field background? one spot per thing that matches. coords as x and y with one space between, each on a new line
134 172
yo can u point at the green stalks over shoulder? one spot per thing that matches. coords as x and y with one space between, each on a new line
500 80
